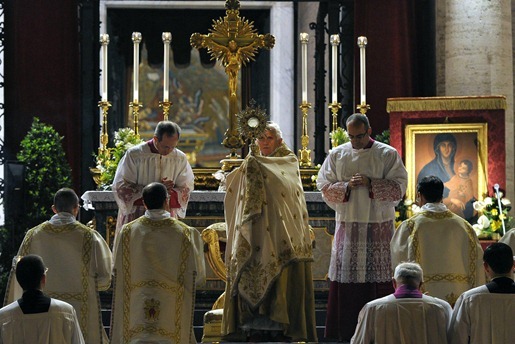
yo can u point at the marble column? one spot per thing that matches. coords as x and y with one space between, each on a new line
474 57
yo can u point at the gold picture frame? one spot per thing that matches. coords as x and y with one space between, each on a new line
471 144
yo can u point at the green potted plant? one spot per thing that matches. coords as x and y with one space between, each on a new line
46 171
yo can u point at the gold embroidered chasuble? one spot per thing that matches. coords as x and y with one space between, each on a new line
268 239
446 247
155 270
79 265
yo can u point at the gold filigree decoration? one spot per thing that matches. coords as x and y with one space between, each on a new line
152 309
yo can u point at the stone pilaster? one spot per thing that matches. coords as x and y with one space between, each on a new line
475 57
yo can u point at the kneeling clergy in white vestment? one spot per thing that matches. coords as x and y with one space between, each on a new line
485 314
406 316
158 262
79 262
443 243
36 318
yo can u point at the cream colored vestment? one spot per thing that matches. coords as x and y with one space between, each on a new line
158 262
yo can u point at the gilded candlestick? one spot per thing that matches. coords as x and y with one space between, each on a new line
104 137
135 105
305 153
335 107
165 105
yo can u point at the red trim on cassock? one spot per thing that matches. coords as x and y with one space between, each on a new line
174 200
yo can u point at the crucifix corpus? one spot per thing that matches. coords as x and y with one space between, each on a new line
233 41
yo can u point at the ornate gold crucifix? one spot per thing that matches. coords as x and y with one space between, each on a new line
234 42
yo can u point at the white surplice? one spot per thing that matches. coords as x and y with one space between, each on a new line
446 247
158 262
360 252
79 265
483 317
139 167
406 320
57 326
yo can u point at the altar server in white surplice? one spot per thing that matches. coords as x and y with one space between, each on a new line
362 180
158 262
406 316
157 160
36 318
79 263
485 314
443 243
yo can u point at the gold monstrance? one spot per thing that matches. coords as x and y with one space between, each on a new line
233 41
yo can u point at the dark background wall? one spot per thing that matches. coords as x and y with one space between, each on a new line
51 68
42 76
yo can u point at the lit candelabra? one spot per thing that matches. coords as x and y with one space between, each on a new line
363 106
166 103
104 103
135 104
334 106
304 153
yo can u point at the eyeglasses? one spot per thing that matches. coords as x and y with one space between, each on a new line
358 137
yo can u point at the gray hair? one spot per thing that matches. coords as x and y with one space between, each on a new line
409 273
274 128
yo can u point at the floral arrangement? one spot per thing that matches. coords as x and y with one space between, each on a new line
107 162
339 136
489 223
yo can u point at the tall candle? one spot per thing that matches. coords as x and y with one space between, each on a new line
362 43
136 38
304 38
104 40
167 38
335 40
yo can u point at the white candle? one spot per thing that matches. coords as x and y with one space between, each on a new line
167 38
362 43
335 40
136 38
304 38
104 40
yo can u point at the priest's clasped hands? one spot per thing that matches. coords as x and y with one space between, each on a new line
359 180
